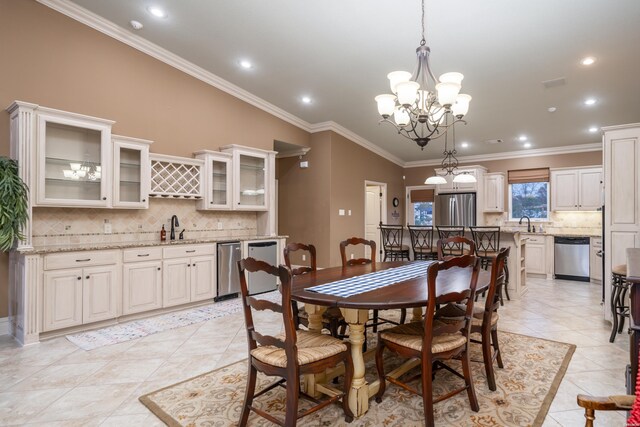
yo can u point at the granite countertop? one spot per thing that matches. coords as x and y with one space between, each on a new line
568 233
47 249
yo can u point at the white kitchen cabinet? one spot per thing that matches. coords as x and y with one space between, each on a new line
80 288
536 255
100 293
73 160
576 189
131 173
253 177
494 192
595 261
218 173
62 299
141 286
188 274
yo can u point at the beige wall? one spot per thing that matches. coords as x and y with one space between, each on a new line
309 199
303 198
351 166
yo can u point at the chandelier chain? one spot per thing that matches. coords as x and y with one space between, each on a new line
424 40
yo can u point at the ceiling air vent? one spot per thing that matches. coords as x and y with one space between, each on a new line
493 141
560 81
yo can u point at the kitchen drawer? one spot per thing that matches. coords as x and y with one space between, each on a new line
181 251
80 259
142 254
535 239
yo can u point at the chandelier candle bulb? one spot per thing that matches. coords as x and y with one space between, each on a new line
401 116
396 77
461 106
407 93
453 77
386 104
447 93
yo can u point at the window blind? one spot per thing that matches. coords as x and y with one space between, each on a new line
418 196
528 175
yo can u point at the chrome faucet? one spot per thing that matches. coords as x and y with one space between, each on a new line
519 222
174 224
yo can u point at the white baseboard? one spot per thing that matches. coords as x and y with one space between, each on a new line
4 326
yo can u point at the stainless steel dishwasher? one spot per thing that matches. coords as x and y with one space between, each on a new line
260 282
571 258
229 253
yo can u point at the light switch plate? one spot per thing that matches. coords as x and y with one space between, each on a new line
107 228
341 212
219 225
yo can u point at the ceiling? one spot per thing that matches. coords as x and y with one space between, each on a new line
338 52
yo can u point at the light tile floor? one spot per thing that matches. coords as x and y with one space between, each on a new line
54 383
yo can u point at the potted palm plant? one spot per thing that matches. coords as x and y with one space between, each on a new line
13 204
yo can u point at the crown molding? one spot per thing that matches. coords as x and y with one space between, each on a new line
112 30
536 152
354 137
618 127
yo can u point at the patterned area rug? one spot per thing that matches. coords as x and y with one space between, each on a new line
528 383
91 340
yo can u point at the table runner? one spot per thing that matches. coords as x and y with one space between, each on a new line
371 281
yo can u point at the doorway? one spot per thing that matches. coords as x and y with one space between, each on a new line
374 212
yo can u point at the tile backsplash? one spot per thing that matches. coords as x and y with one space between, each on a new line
59 226
567 222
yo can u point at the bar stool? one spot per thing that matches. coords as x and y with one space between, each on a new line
619 306
487 240
422 242
392 242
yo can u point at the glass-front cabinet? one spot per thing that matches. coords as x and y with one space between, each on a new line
130 172
74 160
218 180
252 177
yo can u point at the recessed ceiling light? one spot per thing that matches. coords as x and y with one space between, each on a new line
588 60
552 109
246 64
157 12
306 100
527 145
136 25
522 138
594 129
464 144
590 101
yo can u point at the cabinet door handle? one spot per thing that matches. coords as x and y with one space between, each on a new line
142 255
188 265
158 268
83 260
79 278
144 200
87 277
191 251
104 198
211 202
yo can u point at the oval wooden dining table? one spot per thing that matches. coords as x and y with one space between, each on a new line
355 309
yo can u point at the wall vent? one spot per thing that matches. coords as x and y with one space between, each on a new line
560 81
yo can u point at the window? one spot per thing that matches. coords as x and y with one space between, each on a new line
529 199
529 194
420 206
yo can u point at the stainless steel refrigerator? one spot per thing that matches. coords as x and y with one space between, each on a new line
455 209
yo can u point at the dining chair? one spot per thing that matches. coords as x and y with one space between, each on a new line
487 240
485 319
394 249
434 342
591 404
288 355
422 242
454 246
376 321
332 318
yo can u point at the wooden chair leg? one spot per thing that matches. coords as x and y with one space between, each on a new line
488 360
506 280
590 415
403 316
496 347
291 416
248 395
621 307
427 393
380 369
471 391
375 321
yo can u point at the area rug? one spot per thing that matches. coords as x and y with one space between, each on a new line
533 370
91 340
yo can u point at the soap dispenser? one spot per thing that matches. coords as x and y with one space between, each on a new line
163 234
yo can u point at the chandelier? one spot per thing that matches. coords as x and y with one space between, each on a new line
449 165
420 113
